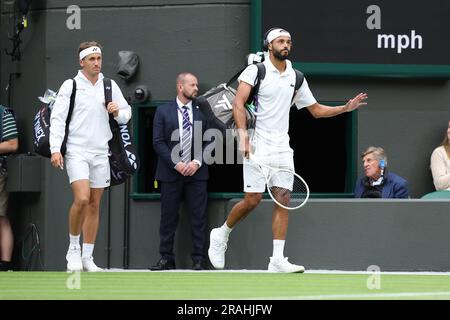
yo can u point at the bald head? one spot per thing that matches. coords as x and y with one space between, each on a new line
184 76
187 86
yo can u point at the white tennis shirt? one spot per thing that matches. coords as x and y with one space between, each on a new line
275 100
89 126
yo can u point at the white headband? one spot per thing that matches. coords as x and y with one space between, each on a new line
88 51
277 33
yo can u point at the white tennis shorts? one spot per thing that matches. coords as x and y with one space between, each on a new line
254 177
88 166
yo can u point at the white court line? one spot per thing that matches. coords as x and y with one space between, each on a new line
420 273
427 273
360 296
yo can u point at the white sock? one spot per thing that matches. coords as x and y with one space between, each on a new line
74 240
225 231
278 249
88 249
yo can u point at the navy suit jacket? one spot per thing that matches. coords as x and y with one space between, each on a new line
164 125
394 187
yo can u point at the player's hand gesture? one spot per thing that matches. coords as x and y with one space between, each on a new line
356 102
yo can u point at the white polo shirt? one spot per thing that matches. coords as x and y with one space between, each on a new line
274 101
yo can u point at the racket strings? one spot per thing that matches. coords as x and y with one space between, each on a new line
287 188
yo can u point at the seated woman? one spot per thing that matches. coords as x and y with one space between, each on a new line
440 163
378 182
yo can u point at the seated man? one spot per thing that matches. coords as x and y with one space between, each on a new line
378 182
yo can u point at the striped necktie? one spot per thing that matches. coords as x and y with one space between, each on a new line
186 136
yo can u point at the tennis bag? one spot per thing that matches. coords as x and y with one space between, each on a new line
217 106
41 127
217 103
123 157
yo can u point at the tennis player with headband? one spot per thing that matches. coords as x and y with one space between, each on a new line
270 141
86 157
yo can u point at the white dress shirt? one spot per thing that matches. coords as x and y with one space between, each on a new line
180 121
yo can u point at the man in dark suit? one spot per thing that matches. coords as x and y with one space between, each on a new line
378 182
178 129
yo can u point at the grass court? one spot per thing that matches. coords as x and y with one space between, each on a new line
223 285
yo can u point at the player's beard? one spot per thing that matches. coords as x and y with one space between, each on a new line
279 56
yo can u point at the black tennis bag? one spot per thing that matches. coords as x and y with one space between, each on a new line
123 157
41 127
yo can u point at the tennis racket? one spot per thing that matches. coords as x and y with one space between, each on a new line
285 187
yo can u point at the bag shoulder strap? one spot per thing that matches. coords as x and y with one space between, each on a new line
107 87
108 92
69 114
72 103
299 78
259 77
261 71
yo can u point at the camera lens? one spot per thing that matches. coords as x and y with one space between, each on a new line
139 94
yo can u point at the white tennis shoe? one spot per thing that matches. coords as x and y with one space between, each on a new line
217 248
73 258
90 266
283 265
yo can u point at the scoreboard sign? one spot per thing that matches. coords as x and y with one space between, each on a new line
361 37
